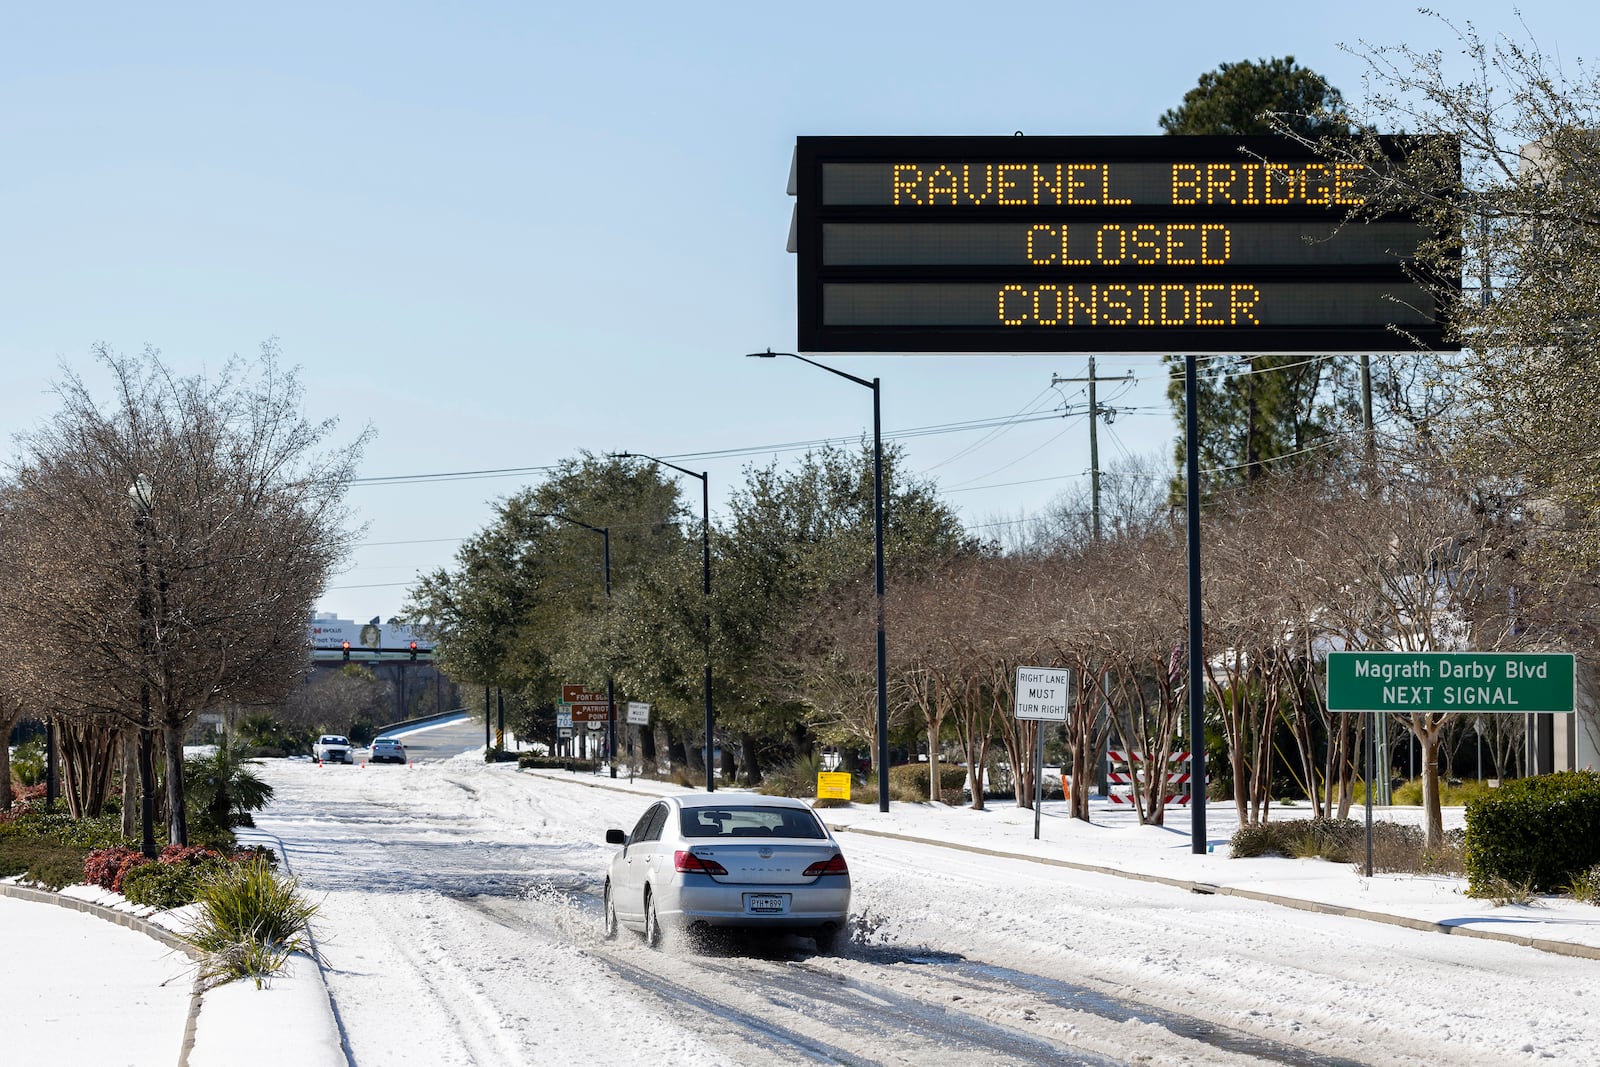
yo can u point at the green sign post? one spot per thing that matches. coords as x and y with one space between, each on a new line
1444 682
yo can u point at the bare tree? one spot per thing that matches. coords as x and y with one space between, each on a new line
1433 557
178 538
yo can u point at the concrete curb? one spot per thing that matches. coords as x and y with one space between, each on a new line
1561 948
325 1001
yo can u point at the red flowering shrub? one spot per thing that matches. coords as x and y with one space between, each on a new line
24 800
104 866
128 864
255 852
187 854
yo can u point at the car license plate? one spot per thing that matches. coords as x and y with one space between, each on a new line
772 902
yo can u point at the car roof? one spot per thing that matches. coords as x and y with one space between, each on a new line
729 800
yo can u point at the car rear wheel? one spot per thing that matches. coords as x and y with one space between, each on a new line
652 922
611 914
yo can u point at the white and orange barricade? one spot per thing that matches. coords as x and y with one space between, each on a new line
1175 781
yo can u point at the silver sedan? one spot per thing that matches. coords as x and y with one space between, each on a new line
700 861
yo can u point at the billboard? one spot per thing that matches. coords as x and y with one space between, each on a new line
329 632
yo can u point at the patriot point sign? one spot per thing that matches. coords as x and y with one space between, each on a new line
1444 682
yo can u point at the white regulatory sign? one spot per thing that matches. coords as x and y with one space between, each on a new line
1042 693
638 713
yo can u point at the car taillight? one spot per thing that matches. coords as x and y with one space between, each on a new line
689 863
833 865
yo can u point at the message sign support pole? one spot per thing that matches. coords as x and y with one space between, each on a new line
1197 693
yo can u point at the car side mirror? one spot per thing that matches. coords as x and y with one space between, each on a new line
616 837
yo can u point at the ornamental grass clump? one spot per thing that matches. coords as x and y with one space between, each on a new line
1586 885
249 921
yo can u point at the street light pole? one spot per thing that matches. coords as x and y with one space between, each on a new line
139 496
611 692
705 590
882 755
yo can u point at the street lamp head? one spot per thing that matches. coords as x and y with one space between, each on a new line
768 354
140 494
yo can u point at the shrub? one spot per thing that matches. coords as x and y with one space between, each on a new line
1339 840
797 778
1451 794
1396 848
1253 840
909 781
249 921
28 762
175 876
105 867
1273 839
554 763
172 883
60 827
1541 831
41 860
25 800
255 852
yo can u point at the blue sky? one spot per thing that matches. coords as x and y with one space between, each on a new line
504 233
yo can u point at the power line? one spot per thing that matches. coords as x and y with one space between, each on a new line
1001 421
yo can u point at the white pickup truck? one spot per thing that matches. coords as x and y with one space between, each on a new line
333 748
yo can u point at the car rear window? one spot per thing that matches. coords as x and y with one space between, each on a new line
749 820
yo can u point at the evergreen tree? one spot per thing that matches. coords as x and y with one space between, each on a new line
1258 413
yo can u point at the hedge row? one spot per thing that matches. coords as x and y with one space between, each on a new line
1542 832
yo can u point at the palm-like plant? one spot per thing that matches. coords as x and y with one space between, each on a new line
222 789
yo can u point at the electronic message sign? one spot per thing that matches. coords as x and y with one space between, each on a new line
1098 244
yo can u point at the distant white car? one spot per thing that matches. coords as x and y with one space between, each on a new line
333 748
699 861
387 750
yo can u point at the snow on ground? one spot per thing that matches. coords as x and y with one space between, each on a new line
460 914
78 989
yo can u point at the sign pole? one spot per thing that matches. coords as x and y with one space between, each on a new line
1038 775
1372 761
1042 695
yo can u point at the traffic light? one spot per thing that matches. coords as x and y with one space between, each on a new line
413 650
347 651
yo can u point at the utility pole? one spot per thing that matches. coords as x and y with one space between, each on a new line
1095 411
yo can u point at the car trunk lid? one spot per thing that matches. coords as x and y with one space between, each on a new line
776 862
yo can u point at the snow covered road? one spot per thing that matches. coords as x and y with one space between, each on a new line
461 916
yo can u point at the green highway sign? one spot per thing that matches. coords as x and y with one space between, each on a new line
1441 682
